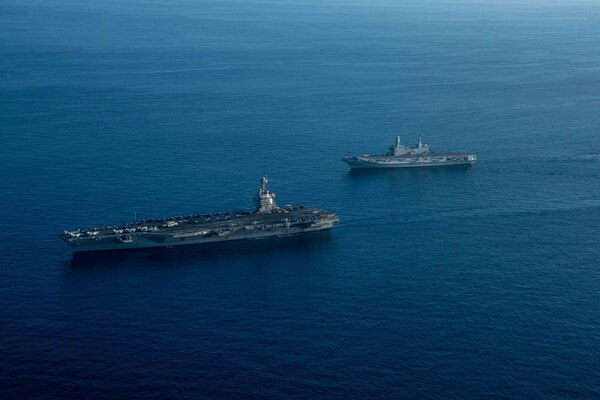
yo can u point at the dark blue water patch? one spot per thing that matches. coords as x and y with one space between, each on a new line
463 283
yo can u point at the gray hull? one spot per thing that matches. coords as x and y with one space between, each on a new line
362 164
438 160
200 229
140 241
267 221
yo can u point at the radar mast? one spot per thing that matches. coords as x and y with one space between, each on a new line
265 200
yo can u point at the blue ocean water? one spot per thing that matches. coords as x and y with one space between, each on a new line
465 283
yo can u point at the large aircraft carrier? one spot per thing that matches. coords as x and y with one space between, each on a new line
401 156
266 221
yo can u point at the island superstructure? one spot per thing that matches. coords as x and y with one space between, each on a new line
401 156
266 221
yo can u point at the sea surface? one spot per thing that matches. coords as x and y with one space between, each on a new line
459 283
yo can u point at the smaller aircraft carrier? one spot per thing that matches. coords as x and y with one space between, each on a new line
401 156
267 220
